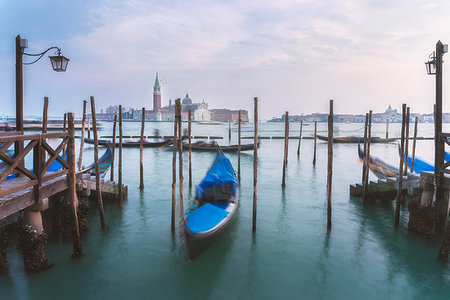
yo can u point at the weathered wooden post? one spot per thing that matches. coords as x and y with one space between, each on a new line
286 141
113 148
97 167
180 167
367 158
315 142
3 247
89 127
44 115
400 169
229 130
190 147
120 157
255 163
406 142
239 147
300 138
330 163
83 121
414 144
365 164
72 192
141 153
64 123
387 128
174 166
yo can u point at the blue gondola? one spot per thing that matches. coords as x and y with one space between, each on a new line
213 208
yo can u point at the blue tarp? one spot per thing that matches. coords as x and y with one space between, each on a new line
204 218
420 165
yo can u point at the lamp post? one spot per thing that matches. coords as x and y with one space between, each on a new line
59 64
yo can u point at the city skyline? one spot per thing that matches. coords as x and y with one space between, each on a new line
293 55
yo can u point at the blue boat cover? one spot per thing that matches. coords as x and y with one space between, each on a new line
220 174
420 165
204 218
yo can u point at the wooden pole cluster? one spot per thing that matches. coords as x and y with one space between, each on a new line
406 141
180 166
190 147
365 166
174 166
113 147
286 141
330 163
141 153
83 121
414 144
400 175
367 158
97 167
315 142
300 138
120 157
73 199
239 147
255 163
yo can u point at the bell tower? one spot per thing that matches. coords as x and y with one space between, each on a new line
156 95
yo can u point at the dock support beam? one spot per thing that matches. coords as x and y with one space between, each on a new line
3 247
33 240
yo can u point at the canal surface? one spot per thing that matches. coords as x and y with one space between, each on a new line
291 256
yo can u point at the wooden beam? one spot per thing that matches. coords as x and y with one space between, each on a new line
14 163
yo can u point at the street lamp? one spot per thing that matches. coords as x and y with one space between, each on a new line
430 65
59 64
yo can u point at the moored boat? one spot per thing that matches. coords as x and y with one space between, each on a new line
213 208
355 139
104 163
212 147
136 143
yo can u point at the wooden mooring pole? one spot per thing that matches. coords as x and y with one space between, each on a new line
141 151
64 124
406 141
367 158
113 148
98 186
239 146
44 116
365 164
387 128
300 138
315 142
255 163
83 121
229 130
120 157
400 175
73 199
414 144
89 128
174 167
180 166
190 147
286 141
330 163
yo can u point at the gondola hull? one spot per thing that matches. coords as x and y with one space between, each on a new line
129 144
355 140
213 147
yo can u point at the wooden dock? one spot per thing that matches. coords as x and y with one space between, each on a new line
386 189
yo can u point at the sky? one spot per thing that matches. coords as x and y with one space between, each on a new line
293 55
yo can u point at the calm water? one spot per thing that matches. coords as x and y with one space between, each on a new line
291 255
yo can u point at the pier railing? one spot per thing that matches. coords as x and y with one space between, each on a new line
25 178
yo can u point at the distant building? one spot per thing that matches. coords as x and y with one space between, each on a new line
227 115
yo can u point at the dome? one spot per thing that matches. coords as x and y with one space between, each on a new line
187 100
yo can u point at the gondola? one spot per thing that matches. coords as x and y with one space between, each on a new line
419 165
381 169
130 143
355 139
213 208
212 147
104 163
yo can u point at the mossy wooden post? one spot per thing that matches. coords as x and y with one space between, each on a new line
98 186
406 141
83 124
239 146
414 144
286 141
77 251
387 128
174 166
141 151
300 138
367 158
113 148
190 147
180 166
315 142
330 163
365 164
255 163
229 130
120 157
400 175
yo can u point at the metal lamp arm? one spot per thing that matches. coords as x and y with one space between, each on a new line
40 55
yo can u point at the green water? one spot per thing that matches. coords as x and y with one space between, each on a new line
291 256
